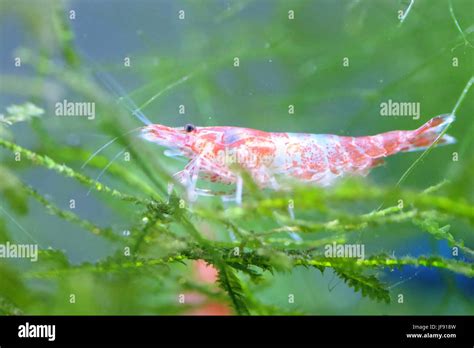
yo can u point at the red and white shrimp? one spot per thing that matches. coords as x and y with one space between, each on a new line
266 156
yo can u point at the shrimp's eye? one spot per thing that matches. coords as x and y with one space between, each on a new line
189 128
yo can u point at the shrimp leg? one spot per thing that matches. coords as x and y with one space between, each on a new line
194 175
237 198
183 177
291 211
188 178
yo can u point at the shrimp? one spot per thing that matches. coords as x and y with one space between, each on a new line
318 159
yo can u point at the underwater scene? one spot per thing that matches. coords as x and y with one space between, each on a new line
250 157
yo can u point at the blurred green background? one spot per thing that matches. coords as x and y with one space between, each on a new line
190 62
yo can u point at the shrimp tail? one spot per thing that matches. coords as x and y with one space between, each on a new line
418 139
427 134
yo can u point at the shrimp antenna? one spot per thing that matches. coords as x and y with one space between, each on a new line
122 96
117 90
110 142
102 172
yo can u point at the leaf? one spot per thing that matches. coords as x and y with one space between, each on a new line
21 113
369 286
431 226
229 281
11 188
255 275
